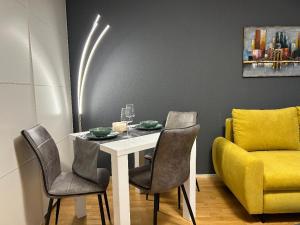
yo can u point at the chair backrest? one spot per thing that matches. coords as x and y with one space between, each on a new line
180 119
171 160
46 151
85 159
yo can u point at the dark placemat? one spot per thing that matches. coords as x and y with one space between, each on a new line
133 132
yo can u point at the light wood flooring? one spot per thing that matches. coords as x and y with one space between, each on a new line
215 206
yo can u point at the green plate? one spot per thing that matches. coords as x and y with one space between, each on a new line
157 127
90 136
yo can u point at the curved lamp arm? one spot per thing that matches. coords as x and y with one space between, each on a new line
83 69
82 59
88 62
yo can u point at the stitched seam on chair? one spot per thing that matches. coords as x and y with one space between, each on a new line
44 142
45 162
44 168
145 188
70 184
80 194
37 149
31 142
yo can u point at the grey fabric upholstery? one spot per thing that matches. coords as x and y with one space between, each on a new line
171 161
58 184
141 176
46 151
69 184
178 120
85 159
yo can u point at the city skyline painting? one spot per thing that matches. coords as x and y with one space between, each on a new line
271 52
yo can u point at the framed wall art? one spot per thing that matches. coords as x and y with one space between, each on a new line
271 51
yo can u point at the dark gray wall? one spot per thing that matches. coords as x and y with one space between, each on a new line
176 55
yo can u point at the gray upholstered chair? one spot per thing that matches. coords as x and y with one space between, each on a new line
178 120
170 166
59 184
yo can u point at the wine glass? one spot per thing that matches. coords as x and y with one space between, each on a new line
124 118
130 112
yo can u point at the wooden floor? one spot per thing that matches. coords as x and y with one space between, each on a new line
215 206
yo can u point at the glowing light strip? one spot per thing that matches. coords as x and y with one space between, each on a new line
86 46
88 64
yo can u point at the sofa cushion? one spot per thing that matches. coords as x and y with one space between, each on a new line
281 169
266 129
298 109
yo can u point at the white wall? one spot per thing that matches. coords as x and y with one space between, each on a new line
34 88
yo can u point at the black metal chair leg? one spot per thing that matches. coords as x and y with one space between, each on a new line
179 196
57 211
107 205
101 209
156 208
197 185
188 204
147 196
49 211
158 196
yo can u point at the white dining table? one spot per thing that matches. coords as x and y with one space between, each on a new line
119 151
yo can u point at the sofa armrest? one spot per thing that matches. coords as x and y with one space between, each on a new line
241 172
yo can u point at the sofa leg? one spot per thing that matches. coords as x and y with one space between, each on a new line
262 218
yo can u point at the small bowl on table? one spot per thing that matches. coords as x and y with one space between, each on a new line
101 131
149 123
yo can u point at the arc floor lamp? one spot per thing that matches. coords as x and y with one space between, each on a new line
85 64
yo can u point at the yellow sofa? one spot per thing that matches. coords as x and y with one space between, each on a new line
265 181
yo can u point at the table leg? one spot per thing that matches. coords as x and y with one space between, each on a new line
80 210
137 164
139 159
190 185
120 184
80 203
136 159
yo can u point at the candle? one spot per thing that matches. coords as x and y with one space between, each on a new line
119 127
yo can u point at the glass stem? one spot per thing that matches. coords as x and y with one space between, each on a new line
127 129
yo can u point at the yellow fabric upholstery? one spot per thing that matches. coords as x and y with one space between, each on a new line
241 172
282 202
263 181
229 129
266 129
298 109
281 169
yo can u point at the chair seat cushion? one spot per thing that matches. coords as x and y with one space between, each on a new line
141 177
69 184
281 170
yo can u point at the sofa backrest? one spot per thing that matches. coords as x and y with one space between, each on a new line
298 109
229 127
